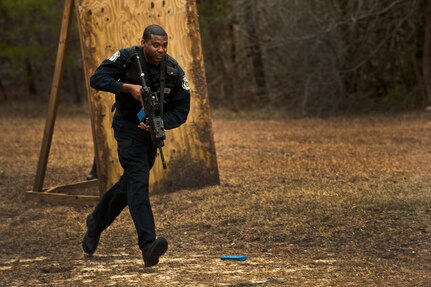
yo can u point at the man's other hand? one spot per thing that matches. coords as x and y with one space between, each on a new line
144 126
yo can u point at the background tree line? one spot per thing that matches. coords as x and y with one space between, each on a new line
300 56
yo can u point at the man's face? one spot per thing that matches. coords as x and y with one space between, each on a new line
155 48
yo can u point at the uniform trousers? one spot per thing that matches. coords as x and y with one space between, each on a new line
136 153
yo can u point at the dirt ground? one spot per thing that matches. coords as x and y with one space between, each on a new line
342 201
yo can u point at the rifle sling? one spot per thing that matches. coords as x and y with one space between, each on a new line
162 84
162 76
143 62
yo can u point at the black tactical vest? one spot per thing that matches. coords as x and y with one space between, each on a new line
124 102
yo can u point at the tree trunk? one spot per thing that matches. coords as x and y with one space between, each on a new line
233 59
31 83
256 52
427 54
3 91
76 85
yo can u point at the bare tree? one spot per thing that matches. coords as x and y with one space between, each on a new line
314 56
254 45
426 64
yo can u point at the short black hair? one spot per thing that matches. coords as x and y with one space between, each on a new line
153 29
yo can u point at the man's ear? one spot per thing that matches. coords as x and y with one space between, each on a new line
142 42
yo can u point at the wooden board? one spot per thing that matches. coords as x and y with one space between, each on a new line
107 26
68 193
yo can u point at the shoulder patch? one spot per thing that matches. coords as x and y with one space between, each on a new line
185 83
115 56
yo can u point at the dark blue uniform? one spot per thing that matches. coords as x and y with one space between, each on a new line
136 151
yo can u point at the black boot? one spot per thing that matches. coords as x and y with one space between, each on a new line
91 237
153 251
93 172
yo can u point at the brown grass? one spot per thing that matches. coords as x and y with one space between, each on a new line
311 202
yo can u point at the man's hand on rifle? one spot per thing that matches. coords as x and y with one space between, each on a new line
144 126
134 90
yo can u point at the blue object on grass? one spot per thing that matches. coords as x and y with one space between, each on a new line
234 257
141 115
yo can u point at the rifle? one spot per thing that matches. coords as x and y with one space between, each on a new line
153 111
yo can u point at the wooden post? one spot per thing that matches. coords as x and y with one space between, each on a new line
53 100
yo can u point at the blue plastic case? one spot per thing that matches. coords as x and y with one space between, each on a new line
141 115
234 257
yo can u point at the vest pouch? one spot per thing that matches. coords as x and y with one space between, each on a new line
132 74
127 106
171 71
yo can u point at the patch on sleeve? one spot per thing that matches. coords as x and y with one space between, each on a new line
185 83
115 56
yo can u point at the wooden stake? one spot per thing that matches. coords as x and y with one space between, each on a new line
53 100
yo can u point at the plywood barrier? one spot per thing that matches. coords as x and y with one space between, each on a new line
105 27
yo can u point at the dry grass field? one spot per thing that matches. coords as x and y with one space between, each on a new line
342 201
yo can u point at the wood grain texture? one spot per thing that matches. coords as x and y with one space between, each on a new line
107 26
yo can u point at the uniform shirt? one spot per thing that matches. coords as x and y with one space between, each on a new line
176 104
